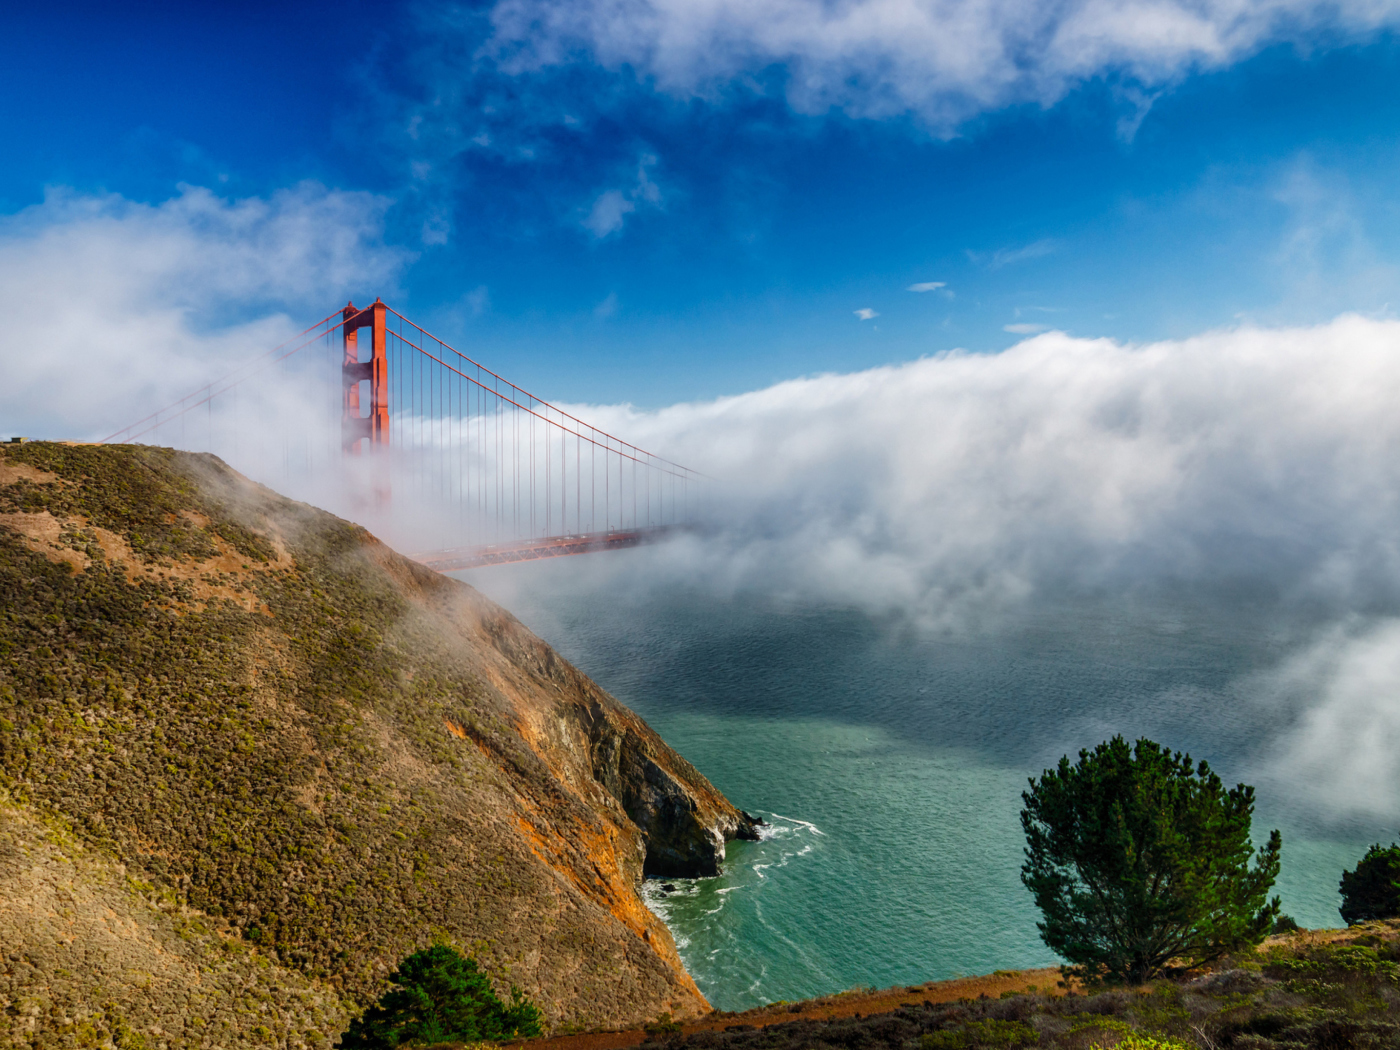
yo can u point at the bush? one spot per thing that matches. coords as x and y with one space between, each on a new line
1144 1042
1135 858
440 996
1285 924
1000 1035
1372 891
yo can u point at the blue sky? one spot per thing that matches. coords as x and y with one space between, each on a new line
607 214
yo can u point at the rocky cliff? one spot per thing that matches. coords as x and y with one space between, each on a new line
250 757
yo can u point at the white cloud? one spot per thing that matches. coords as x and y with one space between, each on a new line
608 213
1024 329
927 286
478 300
606 308
945 60
1010 256
610 209
865 313
120 305
1327 253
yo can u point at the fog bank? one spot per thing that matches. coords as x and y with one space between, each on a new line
1245 458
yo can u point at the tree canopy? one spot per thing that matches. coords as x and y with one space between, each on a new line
440 996
1136 858
1372 891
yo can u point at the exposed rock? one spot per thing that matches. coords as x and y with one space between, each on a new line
685 820
313 750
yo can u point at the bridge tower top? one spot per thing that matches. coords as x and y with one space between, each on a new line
373 425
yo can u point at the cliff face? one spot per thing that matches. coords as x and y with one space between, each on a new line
685 820
280 756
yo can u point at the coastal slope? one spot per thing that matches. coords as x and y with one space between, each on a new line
237 726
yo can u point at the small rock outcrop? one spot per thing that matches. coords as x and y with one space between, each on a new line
685 820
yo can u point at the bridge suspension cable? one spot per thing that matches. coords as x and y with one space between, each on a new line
473 464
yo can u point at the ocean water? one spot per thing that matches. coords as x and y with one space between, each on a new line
888 761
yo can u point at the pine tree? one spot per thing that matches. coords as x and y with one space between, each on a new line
1135 859
440 996
1372 891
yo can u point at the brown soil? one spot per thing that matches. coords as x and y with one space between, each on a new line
222 578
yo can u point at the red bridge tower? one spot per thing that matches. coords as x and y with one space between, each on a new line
374 426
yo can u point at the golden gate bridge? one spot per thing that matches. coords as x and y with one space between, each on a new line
403 418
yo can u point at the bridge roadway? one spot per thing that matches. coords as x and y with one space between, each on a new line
455 558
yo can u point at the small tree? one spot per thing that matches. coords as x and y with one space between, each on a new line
1372 891
1136 858
440 996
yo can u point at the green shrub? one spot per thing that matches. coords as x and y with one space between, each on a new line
663 1025
1372 891
1136 858
1143 1042
1285 924
441 996
1327 961
1003 1035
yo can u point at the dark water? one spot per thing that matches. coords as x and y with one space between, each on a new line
889 762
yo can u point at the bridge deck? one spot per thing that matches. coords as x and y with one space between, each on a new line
530 550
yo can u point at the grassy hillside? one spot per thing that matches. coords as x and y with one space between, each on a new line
91 954
272 739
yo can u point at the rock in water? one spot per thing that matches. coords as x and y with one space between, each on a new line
250 758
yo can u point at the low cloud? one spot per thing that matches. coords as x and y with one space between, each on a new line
866 314
1024 329
927 286
1340 700
1259 457
963 491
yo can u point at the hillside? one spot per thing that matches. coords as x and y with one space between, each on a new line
250 757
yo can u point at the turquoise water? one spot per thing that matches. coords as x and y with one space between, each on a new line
889 763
